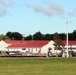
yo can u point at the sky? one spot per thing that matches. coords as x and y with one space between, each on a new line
31 16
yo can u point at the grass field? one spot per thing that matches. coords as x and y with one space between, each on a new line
37 66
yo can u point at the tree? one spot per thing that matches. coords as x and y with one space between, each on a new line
4 37
9 34
48 37
63 36
74 34
70 36
58 42
14 35
38 36
30 37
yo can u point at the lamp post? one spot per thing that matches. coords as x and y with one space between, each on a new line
67 38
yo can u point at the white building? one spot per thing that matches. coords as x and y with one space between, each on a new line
33 46
3 45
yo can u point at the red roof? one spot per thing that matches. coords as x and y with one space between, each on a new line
70 42
12 41
32 43
27 43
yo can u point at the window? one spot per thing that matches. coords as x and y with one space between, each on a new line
40 49
8 49
36 49
29 50
14 49
23 48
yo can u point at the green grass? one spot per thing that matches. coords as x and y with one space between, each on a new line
37 66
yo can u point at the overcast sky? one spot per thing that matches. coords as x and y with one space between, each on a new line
31 16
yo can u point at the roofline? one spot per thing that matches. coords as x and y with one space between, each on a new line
23 47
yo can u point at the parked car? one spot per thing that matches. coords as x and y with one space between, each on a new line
55 53
72 53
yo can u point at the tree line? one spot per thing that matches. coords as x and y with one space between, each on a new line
62 36
38 36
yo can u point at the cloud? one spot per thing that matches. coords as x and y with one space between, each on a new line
4 5
3 12
73 13
57 8
7 2
41 9
51 9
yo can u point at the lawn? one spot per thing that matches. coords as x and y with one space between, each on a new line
37 66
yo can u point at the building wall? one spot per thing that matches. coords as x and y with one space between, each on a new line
71 47
49 45
3 46
30 50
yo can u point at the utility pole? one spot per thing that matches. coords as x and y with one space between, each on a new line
67 39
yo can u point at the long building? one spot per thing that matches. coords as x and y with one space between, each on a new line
33 46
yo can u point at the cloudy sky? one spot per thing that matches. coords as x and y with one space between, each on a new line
31 16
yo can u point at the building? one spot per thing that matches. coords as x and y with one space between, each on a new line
34 46
71 45
28 46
